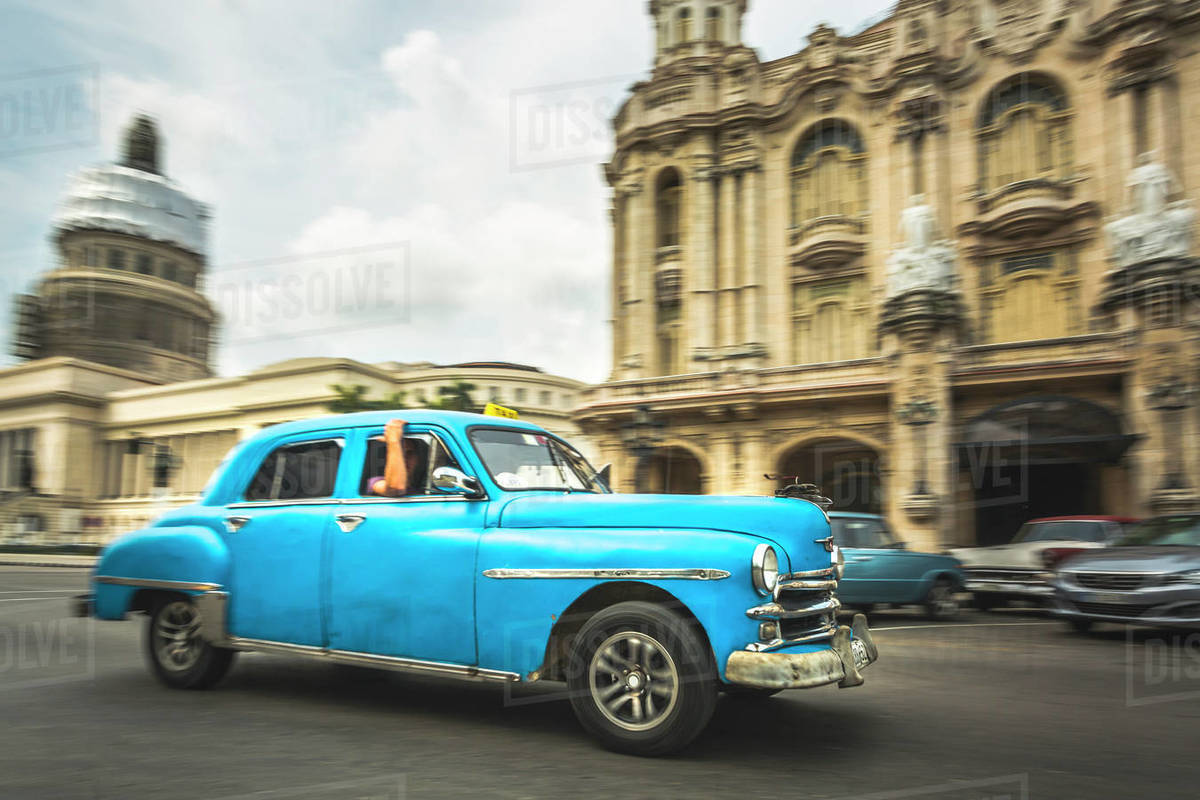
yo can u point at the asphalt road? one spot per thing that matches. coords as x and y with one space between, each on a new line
998 705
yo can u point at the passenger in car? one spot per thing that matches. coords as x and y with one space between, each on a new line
404 469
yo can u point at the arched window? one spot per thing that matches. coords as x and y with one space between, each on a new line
667 204
829 173
712 24
1024 133
684 25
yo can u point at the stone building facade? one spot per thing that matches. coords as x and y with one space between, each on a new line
943 267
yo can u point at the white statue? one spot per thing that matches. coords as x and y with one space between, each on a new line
923 261
1155 229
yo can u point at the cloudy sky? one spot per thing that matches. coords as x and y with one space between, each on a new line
389 180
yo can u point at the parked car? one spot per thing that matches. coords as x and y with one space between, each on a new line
511 562
1021 569
880 569
1150 577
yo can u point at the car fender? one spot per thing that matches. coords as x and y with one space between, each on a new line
519 599
191 559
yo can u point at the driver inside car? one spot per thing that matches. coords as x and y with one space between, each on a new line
404 467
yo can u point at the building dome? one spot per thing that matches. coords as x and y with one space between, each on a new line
133 197
127 289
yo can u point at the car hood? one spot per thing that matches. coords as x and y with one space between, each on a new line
1018 555
791 523
1136 559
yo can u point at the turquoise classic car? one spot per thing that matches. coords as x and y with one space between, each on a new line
508 559
881 570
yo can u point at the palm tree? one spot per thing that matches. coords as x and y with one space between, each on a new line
354 398
455 397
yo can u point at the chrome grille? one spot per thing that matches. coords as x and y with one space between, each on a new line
1017 575
1110 581
804 606
1112 610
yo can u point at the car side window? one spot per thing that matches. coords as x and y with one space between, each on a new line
297 471
430 452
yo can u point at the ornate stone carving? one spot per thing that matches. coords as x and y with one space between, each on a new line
1155 229
924 261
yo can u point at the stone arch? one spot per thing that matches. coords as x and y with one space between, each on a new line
676 467
845 465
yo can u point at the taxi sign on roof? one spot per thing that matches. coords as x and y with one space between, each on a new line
493 410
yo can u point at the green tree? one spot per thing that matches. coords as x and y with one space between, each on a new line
455 397
354 398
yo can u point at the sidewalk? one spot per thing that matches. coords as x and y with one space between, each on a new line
45 560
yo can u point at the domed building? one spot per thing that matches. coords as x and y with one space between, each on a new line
127 290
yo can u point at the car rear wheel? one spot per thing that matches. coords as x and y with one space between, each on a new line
642 679
178 655
940 603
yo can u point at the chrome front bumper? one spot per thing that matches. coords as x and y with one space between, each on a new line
781 670
1012 587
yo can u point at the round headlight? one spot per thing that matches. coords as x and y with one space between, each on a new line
764 569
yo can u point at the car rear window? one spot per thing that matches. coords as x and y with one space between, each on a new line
298 471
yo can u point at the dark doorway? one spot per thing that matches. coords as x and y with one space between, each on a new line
1038 457
1015 493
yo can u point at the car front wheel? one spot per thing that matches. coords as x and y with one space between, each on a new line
178 655
642 679
940 603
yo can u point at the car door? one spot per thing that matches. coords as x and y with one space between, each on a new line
276 533
402 569
877 570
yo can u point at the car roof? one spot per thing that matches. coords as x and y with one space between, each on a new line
457 421
1086 518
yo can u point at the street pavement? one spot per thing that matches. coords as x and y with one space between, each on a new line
999 705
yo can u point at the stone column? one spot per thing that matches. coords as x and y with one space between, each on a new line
639 271
752 279
701 263
727 262
754 462
617 215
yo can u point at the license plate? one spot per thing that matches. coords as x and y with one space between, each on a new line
859 648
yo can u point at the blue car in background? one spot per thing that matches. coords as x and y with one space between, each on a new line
880 570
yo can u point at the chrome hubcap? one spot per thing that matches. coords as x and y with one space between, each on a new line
943 601
633 680
177 642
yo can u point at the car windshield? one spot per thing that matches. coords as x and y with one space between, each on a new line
860 533
1076 531
521 460
1179 531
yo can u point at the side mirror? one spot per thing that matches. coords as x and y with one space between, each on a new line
605 475
455 481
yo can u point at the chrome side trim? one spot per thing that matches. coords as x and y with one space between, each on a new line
611 574
396 663
311 501
143 583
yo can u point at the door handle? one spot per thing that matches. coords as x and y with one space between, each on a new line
348 522
234 524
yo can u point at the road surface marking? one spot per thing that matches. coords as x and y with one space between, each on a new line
963 625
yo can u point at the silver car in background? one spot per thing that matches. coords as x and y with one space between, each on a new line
1149 577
